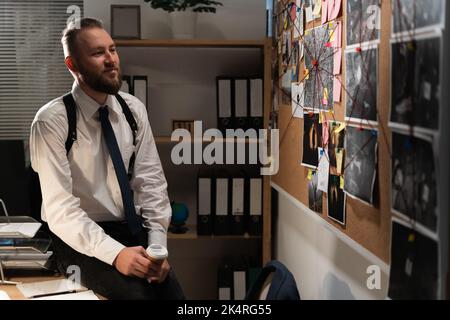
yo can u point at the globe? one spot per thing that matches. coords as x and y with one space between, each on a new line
180 213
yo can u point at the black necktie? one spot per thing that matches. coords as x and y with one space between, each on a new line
125 189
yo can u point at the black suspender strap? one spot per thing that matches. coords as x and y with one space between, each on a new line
134 128
71 108
127 112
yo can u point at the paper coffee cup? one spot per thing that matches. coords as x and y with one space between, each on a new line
157 252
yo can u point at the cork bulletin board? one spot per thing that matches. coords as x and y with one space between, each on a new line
367 224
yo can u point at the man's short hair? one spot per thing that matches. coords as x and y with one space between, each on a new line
69 34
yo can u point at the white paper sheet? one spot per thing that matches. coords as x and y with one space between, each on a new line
42 288
323 170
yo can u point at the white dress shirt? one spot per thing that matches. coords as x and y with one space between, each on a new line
81 188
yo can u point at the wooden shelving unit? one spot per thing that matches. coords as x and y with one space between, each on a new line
265 45
191 43
191 234
220 140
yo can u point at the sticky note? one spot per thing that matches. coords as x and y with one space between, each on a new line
325 97
341 182
338 34
339 159
317 8
337 61
334 8
337 88
325 11
341 126
332 31
306 74
310 174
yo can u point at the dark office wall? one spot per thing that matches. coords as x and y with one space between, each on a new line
14 178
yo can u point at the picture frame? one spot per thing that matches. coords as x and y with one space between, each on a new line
125 21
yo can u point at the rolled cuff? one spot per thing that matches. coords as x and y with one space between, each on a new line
108 250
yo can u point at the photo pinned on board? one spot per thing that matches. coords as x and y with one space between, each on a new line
360 163
336 200
361 81
416 88
414 264
414 188
312 140
315 196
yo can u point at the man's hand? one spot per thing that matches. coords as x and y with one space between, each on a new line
164 270
134 261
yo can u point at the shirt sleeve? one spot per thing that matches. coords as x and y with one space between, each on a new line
149 182
61 208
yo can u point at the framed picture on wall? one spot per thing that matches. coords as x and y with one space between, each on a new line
125 21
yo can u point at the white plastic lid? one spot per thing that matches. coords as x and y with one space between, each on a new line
157 251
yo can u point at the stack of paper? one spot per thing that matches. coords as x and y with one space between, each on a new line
51 287
19 230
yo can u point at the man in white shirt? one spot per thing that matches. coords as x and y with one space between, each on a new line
82 198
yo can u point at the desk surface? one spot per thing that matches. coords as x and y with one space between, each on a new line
15 294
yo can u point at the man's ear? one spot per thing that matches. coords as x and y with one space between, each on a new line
70 63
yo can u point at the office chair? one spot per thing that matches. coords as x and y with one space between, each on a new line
274 282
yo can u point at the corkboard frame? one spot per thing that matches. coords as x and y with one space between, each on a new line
368 226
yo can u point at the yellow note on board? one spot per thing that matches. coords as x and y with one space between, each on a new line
325 93
325 97
341 185
306 74
339 159
341 126
310 174
332 29
320 117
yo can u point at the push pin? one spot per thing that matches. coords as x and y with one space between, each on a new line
315 62
358 49
328 44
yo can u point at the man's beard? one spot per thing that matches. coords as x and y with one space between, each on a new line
100 82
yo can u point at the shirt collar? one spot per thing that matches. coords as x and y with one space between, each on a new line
89 106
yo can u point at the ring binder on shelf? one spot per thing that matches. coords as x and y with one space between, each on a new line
204 203
222 208
224 104
256 104
241 104
237 207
